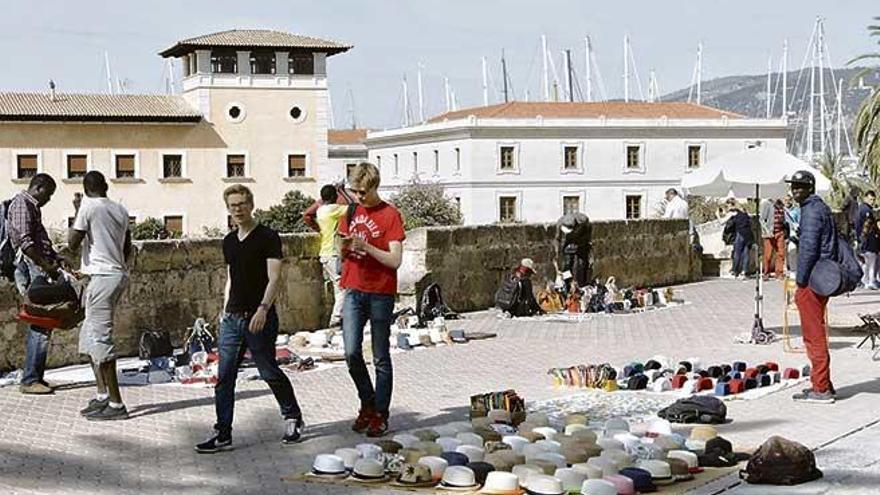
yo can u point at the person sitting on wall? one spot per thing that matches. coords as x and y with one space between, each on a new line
527 305
573 243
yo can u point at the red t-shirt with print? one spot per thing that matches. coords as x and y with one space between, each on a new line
379 226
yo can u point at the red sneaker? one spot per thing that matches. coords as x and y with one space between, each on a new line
365 416
378 425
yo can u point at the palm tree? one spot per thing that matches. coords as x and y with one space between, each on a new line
866 129
843 182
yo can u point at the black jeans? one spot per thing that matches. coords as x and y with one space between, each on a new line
234 338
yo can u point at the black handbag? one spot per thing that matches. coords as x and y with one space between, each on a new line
154 345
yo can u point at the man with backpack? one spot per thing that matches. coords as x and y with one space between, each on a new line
35 257
372 246
818 242
101 228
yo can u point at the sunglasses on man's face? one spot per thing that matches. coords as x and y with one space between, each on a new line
359 192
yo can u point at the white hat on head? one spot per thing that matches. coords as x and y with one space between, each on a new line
528 263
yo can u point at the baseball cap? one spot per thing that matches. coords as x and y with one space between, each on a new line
802 177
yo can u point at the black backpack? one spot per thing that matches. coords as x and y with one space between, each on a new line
508 295
779 461
850 271
7 252
154 345
729 233
431 306
703 409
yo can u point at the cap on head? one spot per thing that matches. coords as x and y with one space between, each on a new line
802 177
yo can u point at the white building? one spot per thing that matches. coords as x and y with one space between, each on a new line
531 162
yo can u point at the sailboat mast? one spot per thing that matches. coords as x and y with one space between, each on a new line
109 74
699 73
821 74
568 71
769 82
485 84
448 97
504 76
546 72
626 68
785 78
421 93
589 56
839 127
405 103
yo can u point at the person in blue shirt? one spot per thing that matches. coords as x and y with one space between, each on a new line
793 218
741 224
869 246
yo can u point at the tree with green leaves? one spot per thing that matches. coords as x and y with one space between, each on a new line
288 216
843 183
866 129
426 205
149 229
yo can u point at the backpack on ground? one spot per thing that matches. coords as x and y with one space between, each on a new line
702 409
431 306
155 345
7 252
779 461
508 295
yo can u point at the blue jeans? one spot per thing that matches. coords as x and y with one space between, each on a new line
233 340
740 255
37 347
378 309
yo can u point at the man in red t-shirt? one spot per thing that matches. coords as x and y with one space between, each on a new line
372 249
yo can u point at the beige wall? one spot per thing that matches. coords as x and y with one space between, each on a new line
266 135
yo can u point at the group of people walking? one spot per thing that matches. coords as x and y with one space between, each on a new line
779 219
361 250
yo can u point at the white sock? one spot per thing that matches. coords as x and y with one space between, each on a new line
102 396
116 405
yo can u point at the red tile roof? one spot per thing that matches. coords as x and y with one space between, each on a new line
254 38
95 107
346 136
568 110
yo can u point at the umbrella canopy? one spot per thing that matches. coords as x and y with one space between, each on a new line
740 172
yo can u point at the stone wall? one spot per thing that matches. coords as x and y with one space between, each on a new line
173 282
470 262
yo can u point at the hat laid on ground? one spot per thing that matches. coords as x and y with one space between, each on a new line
703 432
524 471
469 438
499 461
502 428
542 484
548 432
575 454
530 450
644 450
482 422
411 455
405 439
661 474
499 416
455 458
622 484
449 444
349 456
575 419
531 436
616 424
549 445
516 442
637 382
571 479
680 469
426 435
642 480
328 466
389 446
719 453
501 483
668 442
527 263
662 384
548 467
496 446
462 426
557 459
591 471
415 476
608 466
659 427
429 448
621 458
538 418
481 470
488 434
446 430
368 471
369 450
687 456
653 364
580 432
609 443
437 465
474 454
575 427
598 487
458 478
627 439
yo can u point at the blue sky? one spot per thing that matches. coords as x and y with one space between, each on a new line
65 40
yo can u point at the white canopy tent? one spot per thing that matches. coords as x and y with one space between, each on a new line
749 174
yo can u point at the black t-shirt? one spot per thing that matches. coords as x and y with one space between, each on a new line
247 266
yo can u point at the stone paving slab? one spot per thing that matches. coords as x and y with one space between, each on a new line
46 448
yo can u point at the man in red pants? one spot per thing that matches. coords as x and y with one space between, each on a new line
817 238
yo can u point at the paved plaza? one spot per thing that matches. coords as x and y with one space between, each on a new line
45 447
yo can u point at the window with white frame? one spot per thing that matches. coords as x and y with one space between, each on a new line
27 165
506 158
235 165
349 168
125 165
695 156
571 204
173 225
507 209
77 165
570 158
633 157
296 165
633 206
172 165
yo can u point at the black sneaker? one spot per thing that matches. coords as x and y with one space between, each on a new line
216 443
94 406
293 430
815 397
109 413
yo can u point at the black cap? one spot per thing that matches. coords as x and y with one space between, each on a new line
802 177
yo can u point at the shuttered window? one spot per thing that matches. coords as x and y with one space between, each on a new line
27 166
235 165
172 166
124 166
76 166
174 225
296 165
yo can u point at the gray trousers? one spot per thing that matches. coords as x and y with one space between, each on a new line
332 268
101 298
